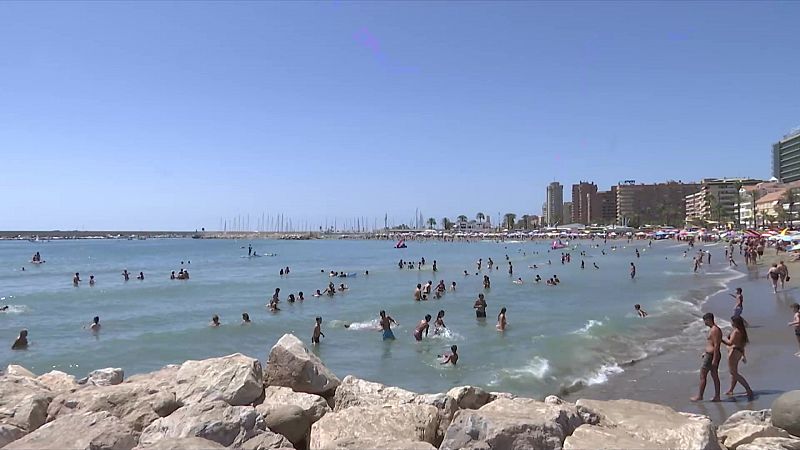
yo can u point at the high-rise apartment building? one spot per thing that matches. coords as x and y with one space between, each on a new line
567 212
555 204
604 210
786 157
716 200
584 198
653 204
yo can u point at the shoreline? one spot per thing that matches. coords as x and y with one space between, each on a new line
672 377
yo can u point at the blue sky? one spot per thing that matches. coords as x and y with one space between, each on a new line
159 115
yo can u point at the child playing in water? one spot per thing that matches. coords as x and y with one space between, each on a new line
317 331
642 313
450 358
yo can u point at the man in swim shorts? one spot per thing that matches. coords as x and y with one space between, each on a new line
424 325
711 358
796 324
386 325
317 331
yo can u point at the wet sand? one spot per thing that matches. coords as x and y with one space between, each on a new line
672 377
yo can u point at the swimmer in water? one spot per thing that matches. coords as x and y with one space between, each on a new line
633 271
21 343
95 325
439 325
386 325
214 321
480 307
517 281
537 279
246 319
424 325
4 308
595 265
501 320
318 293
317 331
76 279
172 275
91 280
452 357
126 275
343 287
453 286
141 276
300 296
273 305
642 313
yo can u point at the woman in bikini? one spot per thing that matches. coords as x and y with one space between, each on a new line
736 342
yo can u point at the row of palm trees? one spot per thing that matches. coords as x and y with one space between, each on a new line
509 221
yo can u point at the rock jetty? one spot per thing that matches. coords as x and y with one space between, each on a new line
295 402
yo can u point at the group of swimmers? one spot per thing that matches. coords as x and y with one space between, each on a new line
419 264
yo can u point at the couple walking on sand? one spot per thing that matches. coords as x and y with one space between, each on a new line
736 343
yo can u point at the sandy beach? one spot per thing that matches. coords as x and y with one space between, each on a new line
672 378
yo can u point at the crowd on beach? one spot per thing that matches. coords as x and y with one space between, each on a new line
752 249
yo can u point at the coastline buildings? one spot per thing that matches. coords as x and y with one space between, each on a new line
716 201
604 209
584 198
567 212
653 204
554 213
786 157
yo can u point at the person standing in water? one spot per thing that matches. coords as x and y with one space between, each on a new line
439 325
214 321
796 324
246 319
480 307
21 343
95 325
711 358
739 307
501 320
386 325
424 325
76 280
737 341
317 331
249 249
126 275
633 271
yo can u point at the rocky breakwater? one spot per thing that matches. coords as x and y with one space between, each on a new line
295 402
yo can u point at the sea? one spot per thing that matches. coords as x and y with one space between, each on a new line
558 339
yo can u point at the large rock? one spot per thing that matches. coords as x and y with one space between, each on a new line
357 392
377 444
384 423
10 433
235 379
469 397
161 378
597 438
106 377
23 402
85 431
292 365
58 381
19 371
216 421
772 443
745 426
314 406
190 443
291 422
658 425
267 441
512 424
786 412
133 403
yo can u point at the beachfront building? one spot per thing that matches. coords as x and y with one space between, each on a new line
584 197
748 195
566 213
786 157
462 224
603 210
653 204
715 202
554 213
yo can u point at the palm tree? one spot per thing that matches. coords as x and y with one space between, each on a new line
789 198
754 195
447 224
462 218
738 187
526 219
431 222
480 217
510 218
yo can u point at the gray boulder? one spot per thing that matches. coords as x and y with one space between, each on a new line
106 377
133 403
469 397
291 364
267 441
597 438
377 444
216 421
23 402
10 433
786 412
190 443
83 431
58 381
512 424
659 425
291 422
314 406
235 379
772 443
388 423
743 427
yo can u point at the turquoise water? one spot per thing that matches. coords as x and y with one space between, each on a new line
580 332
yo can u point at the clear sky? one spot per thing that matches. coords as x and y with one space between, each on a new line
171 115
